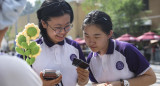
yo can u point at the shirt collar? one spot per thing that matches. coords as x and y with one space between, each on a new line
49 43
110 48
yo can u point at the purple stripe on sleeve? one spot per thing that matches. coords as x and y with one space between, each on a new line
135 60
89 57
91 77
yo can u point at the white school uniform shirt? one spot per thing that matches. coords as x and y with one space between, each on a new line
121 61
16 72
58 57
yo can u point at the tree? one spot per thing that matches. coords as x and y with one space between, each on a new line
125 14
28 9
31 8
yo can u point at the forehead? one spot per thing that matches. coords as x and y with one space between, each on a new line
60 20
92 30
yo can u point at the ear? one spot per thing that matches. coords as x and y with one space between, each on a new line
110 34
44 24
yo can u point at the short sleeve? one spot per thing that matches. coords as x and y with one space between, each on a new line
137 63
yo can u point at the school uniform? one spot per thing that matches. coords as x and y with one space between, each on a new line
121 61
58 57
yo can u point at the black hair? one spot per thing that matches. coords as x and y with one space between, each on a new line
100 19
52 8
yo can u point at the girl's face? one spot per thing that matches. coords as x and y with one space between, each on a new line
96 39
57 27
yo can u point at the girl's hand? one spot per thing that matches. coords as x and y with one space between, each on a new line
50 82
83 76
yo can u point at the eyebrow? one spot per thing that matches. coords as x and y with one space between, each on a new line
94 34
61 24
97 34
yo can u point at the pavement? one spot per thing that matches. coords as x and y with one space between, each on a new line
156 69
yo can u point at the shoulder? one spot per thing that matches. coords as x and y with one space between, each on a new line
89 57
124 46
72 42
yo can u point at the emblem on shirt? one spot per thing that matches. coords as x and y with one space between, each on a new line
119 65
73 56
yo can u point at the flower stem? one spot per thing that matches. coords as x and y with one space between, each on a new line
24 57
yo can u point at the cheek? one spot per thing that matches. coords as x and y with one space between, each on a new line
51 33
86 40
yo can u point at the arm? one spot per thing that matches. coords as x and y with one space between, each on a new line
2 33
147 78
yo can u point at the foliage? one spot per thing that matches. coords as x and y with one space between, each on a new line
30 8
25 45
124 13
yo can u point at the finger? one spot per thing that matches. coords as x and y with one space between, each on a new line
41 75
82 74
56 81
82 70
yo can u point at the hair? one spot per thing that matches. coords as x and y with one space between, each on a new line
100 19
52 8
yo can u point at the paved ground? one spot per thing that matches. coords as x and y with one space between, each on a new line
156 69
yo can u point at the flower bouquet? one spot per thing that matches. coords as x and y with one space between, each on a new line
25 44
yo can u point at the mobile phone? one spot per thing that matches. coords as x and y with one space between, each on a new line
80 63
50 74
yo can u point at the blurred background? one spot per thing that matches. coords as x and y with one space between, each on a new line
134 21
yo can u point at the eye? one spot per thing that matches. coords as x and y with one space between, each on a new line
86 36
67 26
58 27
97 37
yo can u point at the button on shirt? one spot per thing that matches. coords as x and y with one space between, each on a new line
121 61
57 57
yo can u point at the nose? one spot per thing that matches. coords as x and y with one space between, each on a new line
91 42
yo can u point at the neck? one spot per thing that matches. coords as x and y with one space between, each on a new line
104 50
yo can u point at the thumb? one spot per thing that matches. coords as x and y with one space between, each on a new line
41 75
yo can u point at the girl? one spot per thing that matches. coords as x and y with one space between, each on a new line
55 21
112 62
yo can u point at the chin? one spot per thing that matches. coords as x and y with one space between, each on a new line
94 50
60 39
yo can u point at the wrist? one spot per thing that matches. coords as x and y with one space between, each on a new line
124 82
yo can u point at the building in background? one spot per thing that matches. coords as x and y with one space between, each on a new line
152 17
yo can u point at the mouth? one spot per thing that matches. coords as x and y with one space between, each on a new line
92 47
60 37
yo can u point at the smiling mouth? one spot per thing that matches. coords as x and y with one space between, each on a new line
93 47
60 36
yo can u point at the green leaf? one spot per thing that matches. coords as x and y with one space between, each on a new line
32 44
34 50
24 45
28 61
32 60
27 53
20 51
